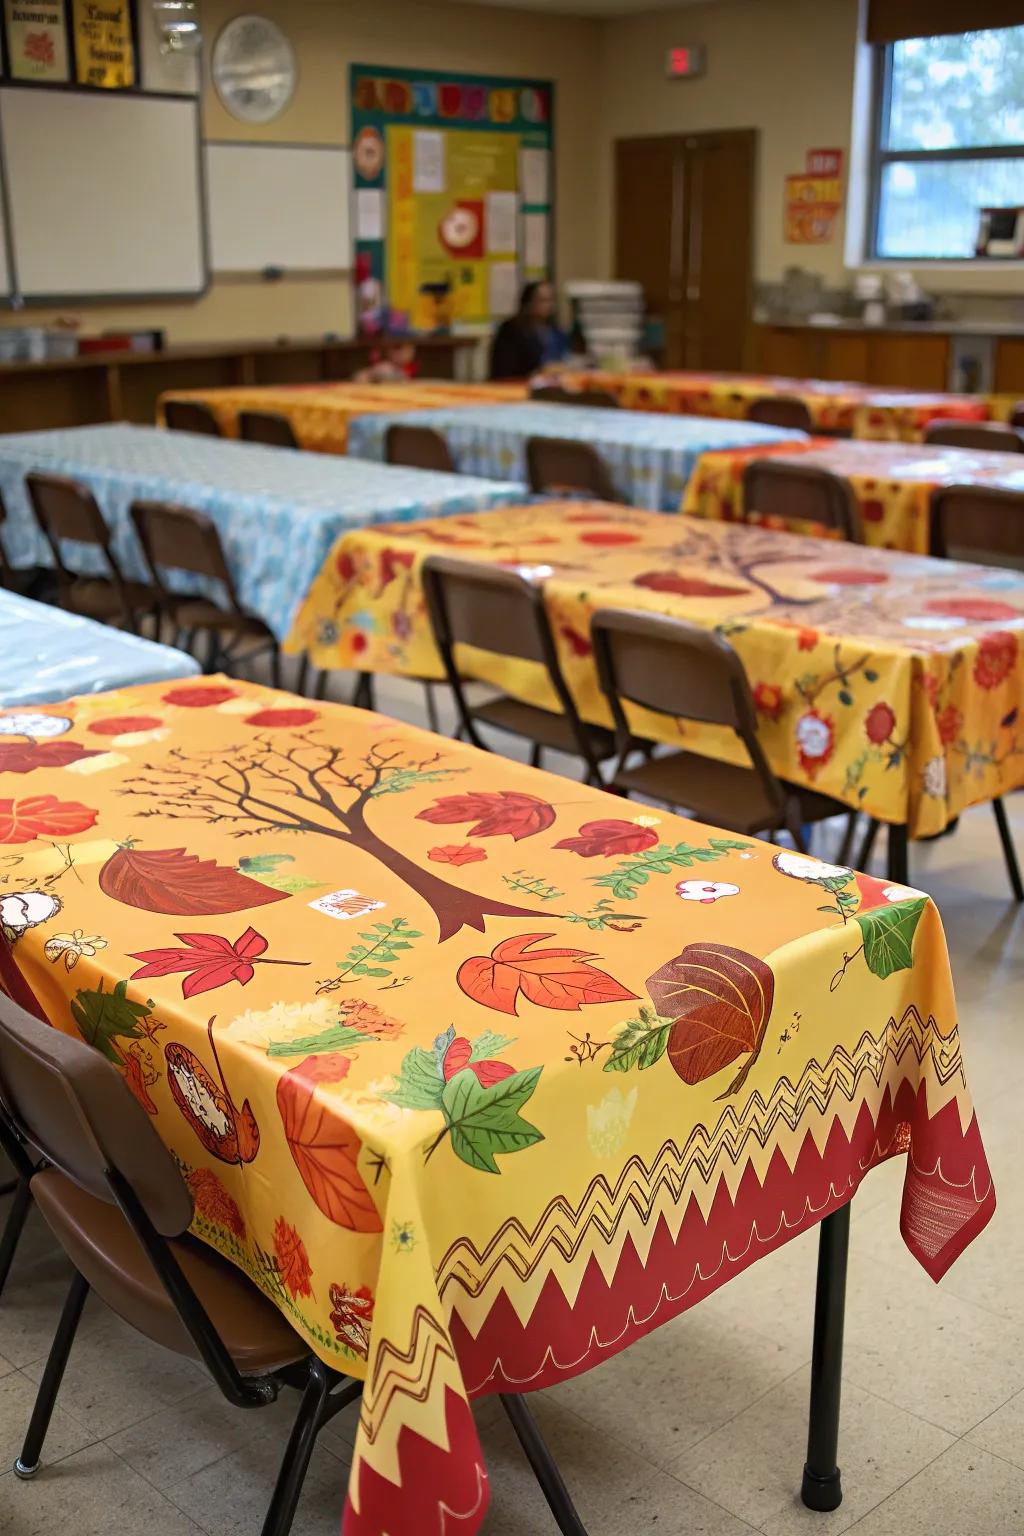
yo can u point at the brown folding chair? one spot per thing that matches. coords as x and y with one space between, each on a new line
984 436
558 466
180 539
500 611
596 399
116 1201
66 509
268 427
417 448
679 670
802 493
191 416
1017 416
781 411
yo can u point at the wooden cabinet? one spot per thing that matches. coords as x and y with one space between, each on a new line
1009 366
890 359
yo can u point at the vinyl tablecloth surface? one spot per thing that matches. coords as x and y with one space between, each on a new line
894 683
650 457
892 482
480 1074
320 413
835 406
50 654
278 513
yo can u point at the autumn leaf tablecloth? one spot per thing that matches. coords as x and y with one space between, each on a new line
835 406
891 682
320 413
480 1074
893 482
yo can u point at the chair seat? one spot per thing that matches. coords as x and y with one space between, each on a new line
96 598
723 794
541 725
104 1249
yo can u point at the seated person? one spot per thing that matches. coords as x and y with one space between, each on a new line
393 361
530 340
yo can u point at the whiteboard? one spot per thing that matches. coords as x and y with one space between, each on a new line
104 194
278 205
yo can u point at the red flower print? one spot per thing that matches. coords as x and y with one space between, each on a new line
22 821
457 853
806 639
345 566
292 1259
578 644
849 576
199 697
609 537
120 725
768 700
872 511
930 684
815 741
879 723
976 610
457 1059
949 722
609 837
996 658
212 1200
359 642
352 1315
283 718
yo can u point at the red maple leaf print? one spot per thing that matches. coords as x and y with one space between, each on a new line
457 1058
605 837
494 812
209 961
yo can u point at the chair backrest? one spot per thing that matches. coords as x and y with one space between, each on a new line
66 509
675 668
181 539
555 465
268 427
597 399
802 493
1017 416
191 416
986 436
781 411
70 1102
417 448
978 522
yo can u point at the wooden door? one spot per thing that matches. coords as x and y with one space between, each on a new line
684 228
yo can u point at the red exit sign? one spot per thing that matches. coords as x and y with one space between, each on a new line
685 63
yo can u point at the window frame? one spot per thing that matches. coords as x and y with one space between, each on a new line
881 105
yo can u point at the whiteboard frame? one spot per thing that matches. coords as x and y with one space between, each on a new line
15 300
345 271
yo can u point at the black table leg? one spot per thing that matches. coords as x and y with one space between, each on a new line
821 1488
545 1469
899 864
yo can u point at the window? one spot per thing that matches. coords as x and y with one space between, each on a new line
950 140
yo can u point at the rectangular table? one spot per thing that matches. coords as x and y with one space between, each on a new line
50 654
320 413
835 406
893 482
480 1074
278 513
893 683
650 457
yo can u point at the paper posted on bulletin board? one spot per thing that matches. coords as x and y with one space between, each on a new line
814 199
453 189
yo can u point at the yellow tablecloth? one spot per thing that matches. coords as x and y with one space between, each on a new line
892 682
834 405
893 482
320 413
480 1074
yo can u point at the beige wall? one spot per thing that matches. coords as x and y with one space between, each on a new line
328 35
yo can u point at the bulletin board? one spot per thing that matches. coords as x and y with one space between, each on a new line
453 197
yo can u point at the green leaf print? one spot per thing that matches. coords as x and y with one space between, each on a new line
889 936
484 1122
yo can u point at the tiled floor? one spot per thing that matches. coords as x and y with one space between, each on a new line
697 1431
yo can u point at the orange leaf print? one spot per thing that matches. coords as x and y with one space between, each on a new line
292 1259
551 978
326 1151
22 821
457 853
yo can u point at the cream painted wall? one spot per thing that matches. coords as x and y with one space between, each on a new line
328 35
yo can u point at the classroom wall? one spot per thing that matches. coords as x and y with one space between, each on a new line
328 35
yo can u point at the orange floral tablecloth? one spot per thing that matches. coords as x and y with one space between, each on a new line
320 413
892 682
893 482
835 406
480 1074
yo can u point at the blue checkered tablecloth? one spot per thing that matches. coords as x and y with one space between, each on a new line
278 512
651 456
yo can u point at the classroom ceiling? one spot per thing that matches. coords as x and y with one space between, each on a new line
590 7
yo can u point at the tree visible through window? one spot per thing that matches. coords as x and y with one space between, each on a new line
950 140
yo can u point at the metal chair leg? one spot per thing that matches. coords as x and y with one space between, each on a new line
536 755
302 676
27 1464
544 1467
14 1226
846 846
298 1452
898 869
1009 851
432 720
822 1488
362 697
275 665
868 845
